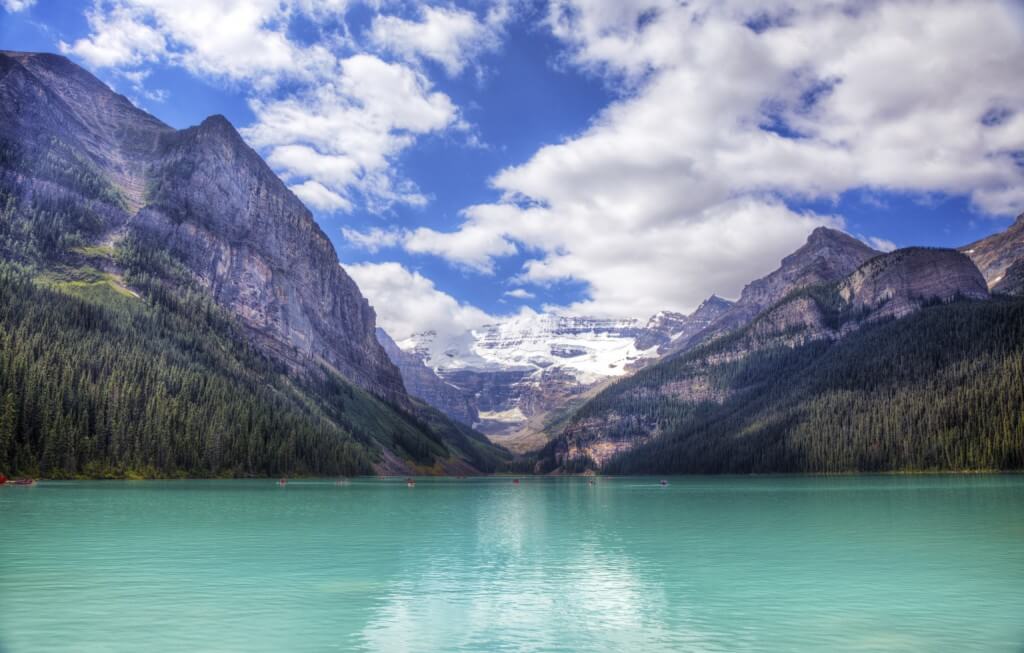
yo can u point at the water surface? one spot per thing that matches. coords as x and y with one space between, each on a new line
919 563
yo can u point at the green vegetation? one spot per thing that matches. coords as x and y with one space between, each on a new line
67 207
940 390
103 385
94 382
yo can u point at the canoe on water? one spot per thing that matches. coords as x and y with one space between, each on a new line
16 481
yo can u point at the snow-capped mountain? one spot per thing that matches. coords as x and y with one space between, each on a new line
518 371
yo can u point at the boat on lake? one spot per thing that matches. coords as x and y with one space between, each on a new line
16 481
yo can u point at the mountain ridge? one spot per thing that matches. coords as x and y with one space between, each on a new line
885 287
106 204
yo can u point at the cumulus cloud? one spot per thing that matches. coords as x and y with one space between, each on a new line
344 132
449 36
315 194
372 240
472 248
236 39
881 244
330 118
731 110
407 302
519 293
14 6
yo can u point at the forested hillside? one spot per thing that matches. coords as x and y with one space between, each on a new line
942 389
96 381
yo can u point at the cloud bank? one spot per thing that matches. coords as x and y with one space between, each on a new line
730 113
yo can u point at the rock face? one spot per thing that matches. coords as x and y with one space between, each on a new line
422 382
44 97
210 200
996 254
667 327
891 285
896 284
888 286
827 256
1012 282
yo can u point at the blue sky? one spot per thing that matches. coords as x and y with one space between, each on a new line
608 157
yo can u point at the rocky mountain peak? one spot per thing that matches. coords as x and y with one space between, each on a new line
828 255
713 304
996 254
46 96
825 241
204 196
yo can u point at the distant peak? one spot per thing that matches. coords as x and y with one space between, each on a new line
826 233
826 236
221 127
217 121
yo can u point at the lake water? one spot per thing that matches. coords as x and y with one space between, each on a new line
874 563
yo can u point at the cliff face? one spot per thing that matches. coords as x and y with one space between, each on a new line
996 254
827 256
896 284
47 99
423 382
1012 282
203 195
251 242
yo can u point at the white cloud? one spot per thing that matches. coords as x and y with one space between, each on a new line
235 39
449 36
344 132
881 244
118 38
473 248
732 107
519 293
14 6
315 194
372 240
407 302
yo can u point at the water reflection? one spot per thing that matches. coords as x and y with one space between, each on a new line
535 575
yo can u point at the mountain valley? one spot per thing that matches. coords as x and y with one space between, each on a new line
171 308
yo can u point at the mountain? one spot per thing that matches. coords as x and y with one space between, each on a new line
941 389
997 254
99 197
522 374
727 378
828 255
423 382
205 196
1012 282
525 375
667 327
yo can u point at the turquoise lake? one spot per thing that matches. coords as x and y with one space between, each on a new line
863 563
